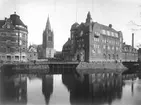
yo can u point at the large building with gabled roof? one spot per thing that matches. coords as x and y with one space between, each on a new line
93 42
13 39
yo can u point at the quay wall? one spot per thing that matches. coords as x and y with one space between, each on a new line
91 67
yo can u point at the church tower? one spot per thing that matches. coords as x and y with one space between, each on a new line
88 19
48 41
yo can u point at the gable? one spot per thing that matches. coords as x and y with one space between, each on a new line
32 49
8 24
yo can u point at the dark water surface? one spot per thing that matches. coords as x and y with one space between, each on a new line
69 89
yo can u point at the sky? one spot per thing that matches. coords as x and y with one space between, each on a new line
63 13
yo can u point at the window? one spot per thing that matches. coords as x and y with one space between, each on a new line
23 35
116 35
108 47
104 55
112 34
50 38
81 33
17 34
83 45
103 32
113 56
108 33
109 56
104 47
117 56
20 42
96 34
20 34
113 48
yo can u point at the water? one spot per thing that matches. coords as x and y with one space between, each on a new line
69 89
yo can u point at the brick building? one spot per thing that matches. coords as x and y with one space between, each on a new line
91 41
48 41
13 39
129 53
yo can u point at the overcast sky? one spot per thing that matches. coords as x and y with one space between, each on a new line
63 13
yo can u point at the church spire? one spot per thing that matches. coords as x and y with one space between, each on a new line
88 19
48 26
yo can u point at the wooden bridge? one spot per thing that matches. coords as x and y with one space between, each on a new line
40 67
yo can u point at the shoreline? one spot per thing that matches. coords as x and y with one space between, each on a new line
100 67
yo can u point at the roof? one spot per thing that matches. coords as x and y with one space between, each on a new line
68 43
32 48
48 26
74 26
105 27
35 46
84 27
16 20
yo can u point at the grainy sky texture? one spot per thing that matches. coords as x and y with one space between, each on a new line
63 13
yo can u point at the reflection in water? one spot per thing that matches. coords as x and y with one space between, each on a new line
93 90
47 87
132 88
69 89
13 89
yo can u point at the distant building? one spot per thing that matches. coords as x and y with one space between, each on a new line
66 51
32 53
139 55
40 52
58 55
129 53
91 41
13 39
48 41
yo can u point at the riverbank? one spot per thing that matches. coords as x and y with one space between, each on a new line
98 67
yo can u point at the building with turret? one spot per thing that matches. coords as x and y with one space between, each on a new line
93 42
13 39
48 41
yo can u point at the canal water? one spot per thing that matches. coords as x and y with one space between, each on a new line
69 89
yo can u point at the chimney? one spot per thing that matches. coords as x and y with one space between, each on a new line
110 25
5 18
132 40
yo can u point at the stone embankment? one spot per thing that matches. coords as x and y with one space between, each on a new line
90 67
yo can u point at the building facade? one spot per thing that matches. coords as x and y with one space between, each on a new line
129 53
139 54
13 39
48 41
91 41
32 54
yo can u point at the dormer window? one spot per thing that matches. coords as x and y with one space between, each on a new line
96 34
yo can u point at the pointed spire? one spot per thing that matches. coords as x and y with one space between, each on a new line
88 19
48 26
